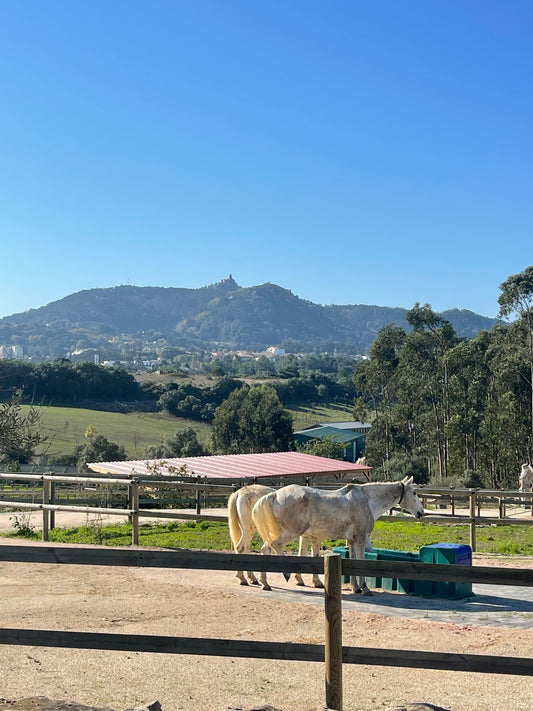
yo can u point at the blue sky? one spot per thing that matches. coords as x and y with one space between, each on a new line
353 152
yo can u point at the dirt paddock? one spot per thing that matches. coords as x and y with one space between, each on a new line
212 604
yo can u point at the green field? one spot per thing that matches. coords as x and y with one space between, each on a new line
65 427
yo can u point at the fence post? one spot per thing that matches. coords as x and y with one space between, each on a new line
198 498
46 512
333 644
52 518
473 520
134 495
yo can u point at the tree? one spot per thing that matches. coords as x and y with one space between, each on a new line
517 298
183 444
381 376
98 449
19 432
252 419
432 337
325 447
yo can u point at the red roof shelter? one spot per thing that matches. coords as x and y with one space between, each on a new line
294 465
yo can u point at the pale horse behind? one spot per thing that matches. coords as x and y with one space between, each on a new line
526 477
283 515
525 480
242 529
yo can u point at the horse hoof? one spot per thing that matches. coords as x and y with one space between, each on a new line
300 583
243 582
319 585
267 587
255 582
366 591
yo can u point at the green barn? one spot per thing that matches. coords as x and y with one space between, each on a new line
353 442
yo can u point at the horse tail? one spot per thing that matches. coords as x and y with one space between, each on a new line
263 516
235 530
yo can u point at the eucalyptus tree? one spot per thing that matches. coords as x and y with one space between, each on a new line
426 373
469 387
507 423
517 298
375 383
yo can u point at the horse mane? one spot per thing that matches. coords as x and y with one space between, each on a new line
348 487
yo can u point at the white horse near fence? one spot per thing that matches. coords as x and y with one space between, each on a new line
242 529
283 515
526 477
525 480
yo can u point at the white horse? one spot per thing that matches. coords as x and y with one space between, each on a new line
526 477
242 529
525 480
349 513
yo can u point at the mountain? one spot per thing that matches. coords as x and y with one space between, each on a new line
222 315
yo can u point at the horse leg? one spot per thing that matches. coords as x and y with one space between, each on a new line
247 527
357 551
278 548
315 550
244 547
265 550
302 550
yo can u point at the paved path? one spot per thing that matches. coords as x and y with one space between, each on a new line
508 606
491 605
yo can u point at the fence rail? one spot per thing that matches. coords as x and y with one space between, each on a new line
474 500
332 652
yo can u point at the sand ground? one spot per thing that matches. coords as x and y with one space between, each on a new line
212 604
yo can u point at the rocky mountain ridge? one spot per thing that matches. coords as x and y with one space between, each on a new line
221 315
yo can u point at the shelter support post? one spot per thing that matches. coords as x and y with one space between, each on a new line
333 643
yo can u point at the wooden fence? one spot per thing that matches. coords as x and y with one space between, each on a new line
472 499
332 653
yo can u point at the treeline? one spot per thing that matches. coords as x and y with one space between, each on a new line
446 406
199 403
62 382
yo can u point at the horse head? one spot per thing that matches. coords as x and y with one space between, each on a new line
409 498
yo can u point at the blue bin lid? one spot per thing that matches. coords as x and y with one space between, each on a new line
454 546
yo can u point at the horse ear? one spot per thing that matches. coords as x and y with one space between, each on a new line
407 480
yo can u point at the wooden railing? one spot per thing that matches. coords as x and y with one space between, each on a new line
473 500
332 652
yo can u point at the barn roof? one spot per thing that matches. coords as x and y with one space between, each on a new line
238 466
334 433
344 425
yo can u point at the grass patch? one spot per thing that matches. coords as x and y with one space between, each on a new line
214 536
